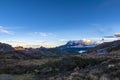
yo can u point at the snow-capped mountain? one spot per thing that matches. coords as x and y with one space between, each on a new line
81 43
78 45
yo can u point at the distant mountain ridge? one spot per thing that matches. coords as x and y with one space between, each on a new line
7 51
106 47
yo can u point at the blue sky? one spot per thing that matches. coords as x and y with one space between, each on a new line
53 22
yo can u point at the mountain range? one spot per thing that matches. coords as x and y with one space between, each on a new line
19 52
75 46
101 62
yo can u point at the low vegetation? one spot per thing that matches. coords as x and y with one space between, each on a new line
17 65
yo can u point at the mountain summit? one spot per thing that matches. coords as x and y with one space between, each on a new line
79 45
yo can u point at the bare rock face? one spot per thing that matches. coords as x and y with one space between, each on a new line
5 47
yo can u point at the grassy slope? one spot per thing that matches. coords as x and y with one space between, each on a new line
80 67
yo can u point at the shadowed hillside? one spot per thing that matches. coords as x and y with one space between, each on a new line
5 47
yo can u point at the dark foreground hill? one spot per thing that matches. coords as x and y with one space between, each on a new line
36 54
5 47
76 67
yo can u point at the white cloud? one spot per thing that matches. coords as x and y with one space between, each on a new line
41 34
16 42
110 39
109 36
63 40
3 30
40 41
26 44
117 34
95 38
94 24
